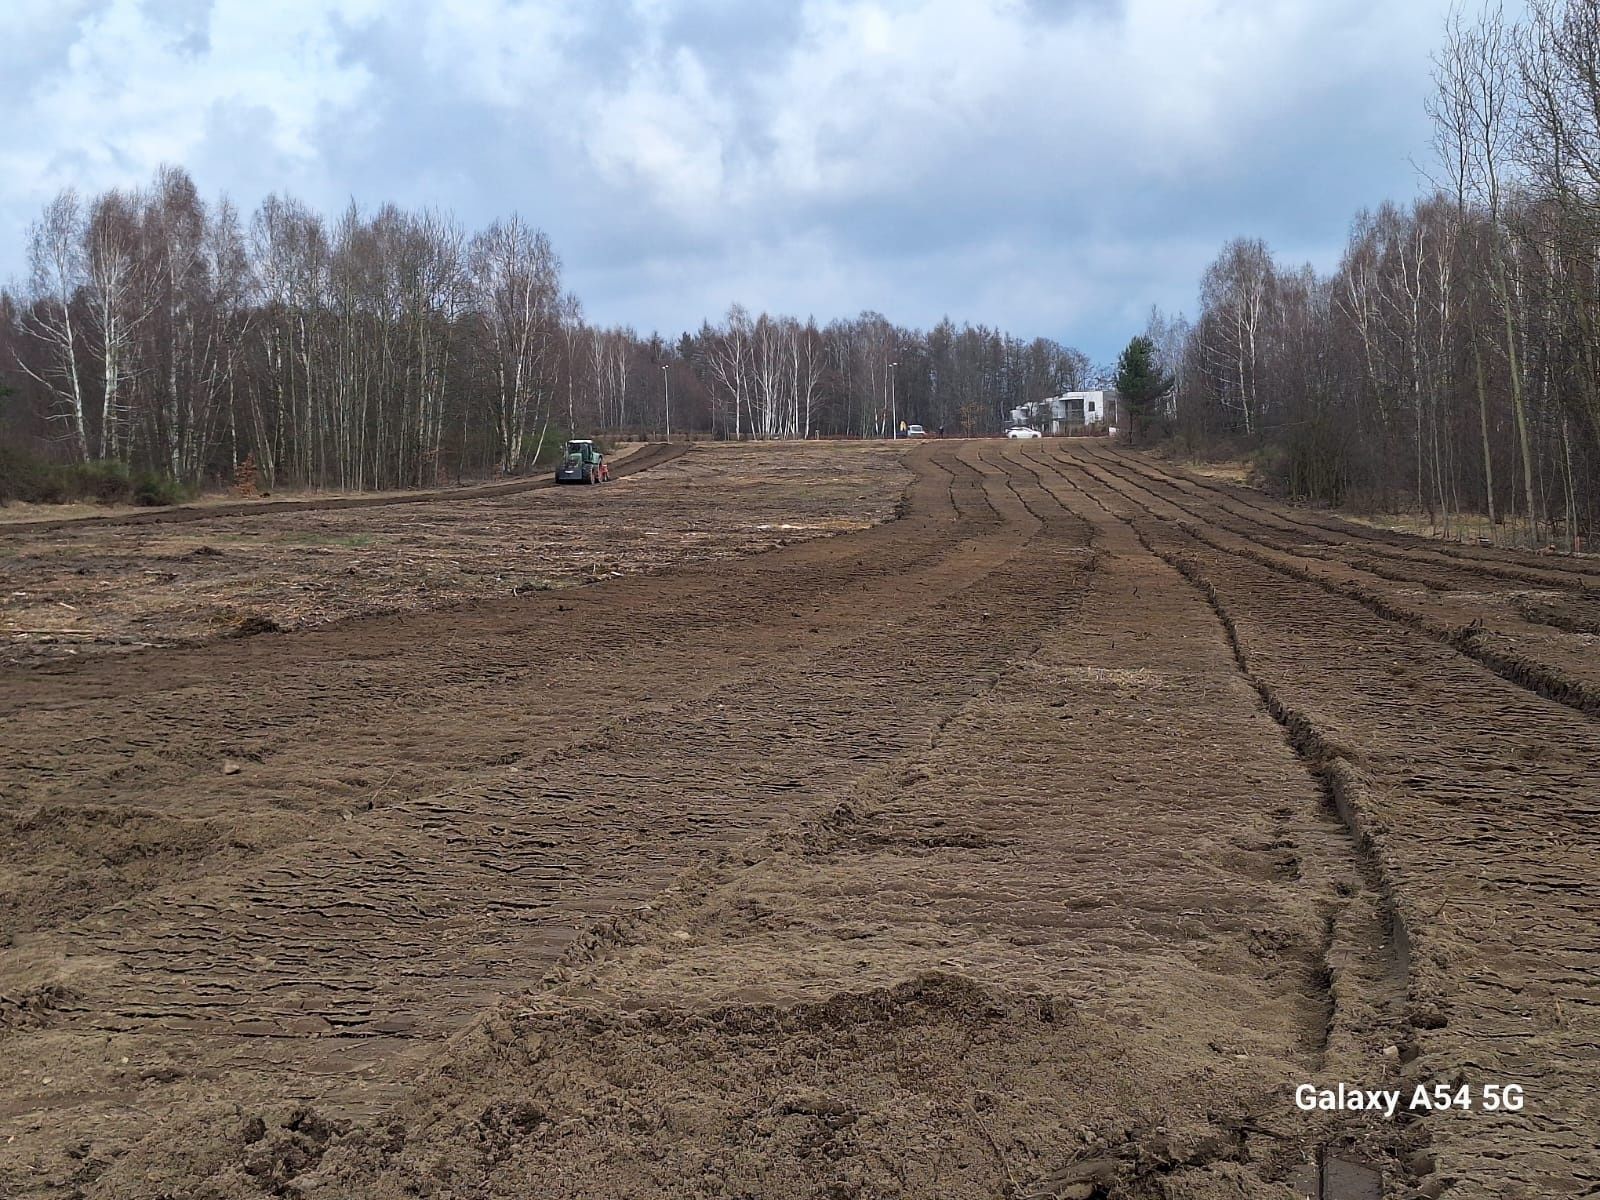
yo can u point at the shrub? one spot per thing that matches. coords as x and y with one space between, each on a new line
104 482
26 477
22 477
150 488
1311 463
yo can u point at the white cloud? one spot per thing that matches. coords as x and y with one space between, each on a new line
502 53
135 91
906 154
664 137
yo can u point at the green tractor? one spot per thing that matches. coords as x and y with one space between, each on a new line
583 464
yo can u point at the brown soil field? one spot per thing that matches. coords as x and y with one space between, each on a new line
141 578
1034 835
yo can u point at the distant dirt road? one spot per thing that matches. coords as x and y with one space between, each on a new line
1035 844
640 458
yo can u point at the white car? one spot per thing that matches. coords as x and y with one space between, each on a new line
916 431
1022 431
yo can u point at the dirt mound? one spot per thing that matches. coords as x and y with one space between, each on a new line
69 859
936 1087
252 625
34 1008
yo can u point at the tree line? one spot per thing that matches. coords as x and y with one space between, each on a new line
395 349
1451 362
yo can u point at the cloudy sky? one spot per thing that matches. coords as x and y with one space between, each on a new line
1050 166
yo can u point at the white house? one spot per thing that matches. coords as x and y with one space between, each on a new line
1071 411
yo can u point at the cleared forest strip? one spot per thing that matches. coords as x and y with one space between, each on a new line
326 706
721 654
926 975
995 849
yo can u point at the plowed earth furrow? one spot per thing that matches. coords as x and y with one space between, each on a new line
1479 802
1036 843
1503 562
1479 616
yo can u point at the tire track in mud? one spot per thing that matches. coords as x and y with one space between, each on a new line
979 853
1365 952
484 660
1348 534
1438 997
1473 634
1478 804
1417 563
268 961
928 905
1515 633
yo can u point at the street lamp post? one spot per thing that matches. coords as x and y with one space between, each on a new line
666 389
894 411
